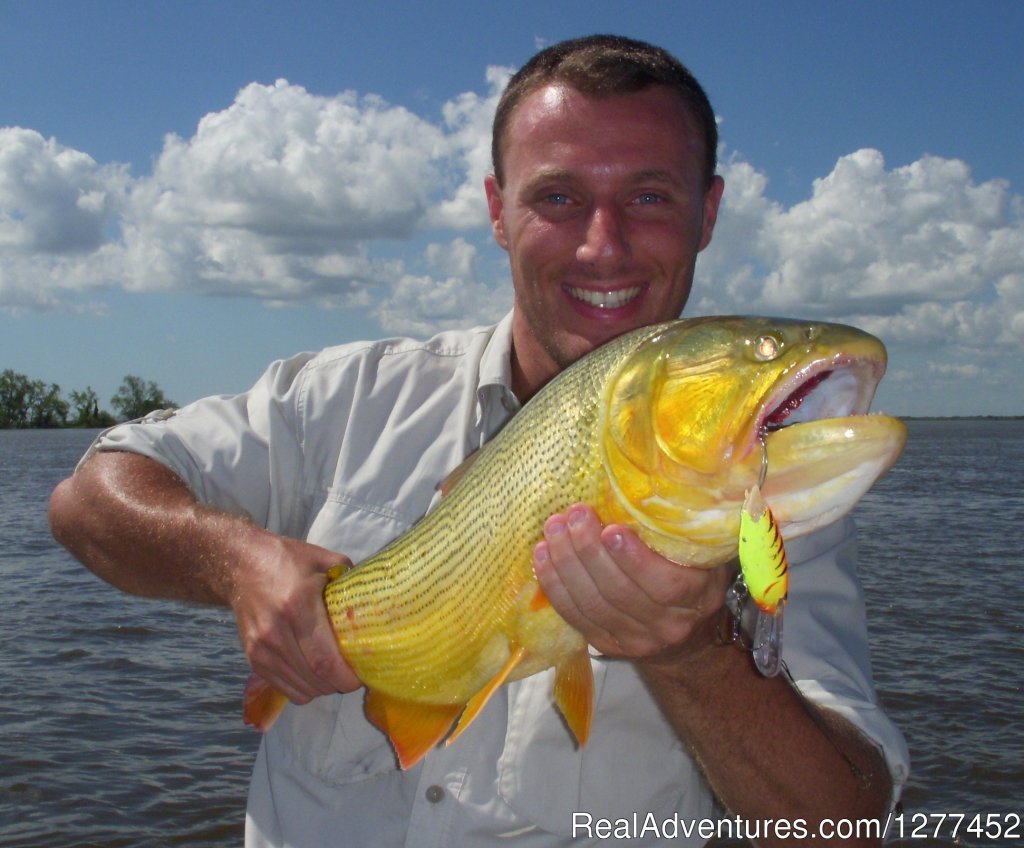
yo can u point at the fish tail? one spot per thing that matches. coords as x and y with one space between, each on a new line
262 703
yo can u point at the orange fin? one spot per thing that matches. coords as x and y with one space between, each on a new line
477 702
262 703
574 694
449 482
412 728
539 601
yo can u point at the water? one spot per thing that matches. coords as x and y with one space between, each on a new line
119 717
941 559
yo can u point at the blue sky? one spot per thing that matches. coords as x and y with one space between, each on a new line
190 190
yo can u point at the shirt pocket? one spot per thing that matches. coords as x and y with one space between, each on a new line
331 739
632 764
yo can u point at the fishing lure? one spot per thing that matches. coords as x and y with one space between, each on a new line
764 571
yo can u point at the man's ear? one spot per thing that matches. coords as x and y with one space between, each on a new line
495 208
712 200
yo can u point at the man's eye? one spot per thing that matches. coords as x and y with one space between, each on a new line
648 197
557 198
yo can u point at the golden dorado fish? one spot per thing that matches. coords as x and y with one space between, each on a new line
664 429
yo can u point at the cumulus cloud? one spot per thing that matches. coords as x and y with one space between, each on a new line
468 122
917 253
281 196
53 199
57 206
287 196
448 298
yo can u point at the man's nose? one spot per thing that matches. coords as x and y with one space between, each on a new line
605 239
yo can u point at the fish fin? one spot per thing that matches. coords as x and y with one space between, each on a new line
477 702
262 703
335 571
539 601
574 694
449 482
412 728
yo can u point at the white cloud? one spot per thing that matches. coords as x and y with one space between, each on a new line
53 199
281 196
468 119
288 196
423 304
287 164
917 254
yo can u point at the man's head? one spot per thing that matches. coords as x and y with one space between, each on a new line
604 194
602 65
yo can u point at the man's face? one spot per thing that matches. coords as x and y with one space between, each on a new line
603 213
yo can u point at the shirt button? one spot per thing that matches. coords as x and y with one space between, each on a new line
435 794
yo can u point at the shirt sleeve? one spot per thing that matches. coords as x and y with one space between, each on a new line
825 641
240 453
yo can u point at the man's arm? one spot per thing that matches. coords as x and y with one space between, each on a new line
765 751
135 524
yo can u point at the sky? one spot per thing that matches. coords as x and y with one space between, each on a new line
191 190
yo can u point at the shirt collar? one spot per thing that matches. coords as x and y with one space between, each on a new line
496 400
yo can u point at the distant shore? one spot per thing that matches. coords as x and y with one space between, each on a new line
901 417
960 417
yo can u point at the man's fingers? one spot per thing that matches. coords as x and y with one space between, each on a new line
624 598
285 628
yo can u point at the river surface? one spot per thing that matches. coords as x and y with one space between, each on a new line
120 718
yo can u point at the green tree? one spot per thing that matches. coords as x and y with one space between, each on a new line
87 410
46 406
136 398
30 403
15 391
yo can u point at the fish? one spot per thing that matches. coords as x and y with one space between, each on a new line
665 429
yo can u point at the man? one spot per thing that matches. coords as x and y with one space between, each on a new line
603 194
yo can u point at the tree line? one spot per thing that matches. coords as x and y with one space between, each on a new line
26 403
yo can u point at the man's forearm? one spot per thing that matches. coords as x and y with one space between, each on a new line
135 524
766 752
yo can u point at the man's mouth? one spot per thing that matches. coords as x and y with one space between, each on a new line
615 299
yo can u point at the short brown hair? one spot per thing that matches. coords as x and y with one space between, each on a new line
605 65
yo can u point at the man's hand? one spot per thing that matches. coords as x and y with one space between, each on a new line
283 623
625 599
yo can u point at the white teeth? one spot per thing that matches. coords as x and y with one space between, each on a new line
606 299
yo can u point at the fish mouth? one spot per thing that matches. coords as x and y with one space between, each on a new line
836 388
822 448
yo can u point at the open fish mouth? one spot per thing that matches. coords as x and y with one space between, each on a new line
822 390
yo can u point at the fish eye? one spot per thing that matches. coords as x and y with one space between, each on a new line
810 332
766 348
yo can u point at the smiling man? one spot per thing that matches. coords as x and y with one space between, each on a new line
603 203
603 193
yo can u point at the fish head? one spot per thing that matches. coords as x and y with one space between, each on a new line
705 409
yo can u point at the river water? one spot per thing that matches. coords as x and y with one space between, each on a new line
120 718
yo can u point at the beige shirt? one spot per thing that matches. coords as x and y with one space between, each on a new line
345 448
